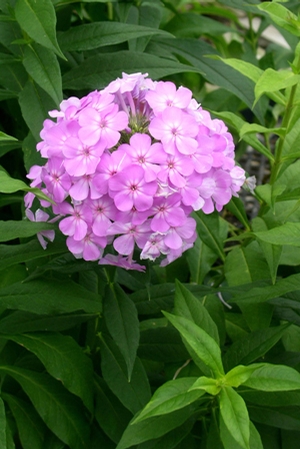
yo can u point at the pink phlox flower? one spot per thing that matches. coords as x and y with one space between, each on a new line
81 159
142 152
176 253
131 234
154 247
57 181
190 193
176 130
35 174
90 247
176 236
101 101
133 216
175 168
213 145
104 125
215 188
68 109
122 262
104 212
83 187
129 188
76 225
40 216
238 179
166 95
57 136
109 166
202 160
167 213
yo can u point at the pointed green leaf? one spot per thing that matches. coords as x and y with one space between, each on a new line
10 230
110 414
282 16
101 34
255 345
273 81
64 360
42 65
274 378
254 128
239 374
208 231
59 409
286 234
31 428
49 297
122 322
171 396
11 185
201 343
155 427
35 104
99 70
188 306
208 384
235 416
133 394
38 19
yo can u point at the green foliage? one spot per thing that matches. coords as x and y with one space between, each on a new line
203 353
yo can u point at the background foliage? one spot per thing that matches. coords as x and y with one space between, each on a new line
204 353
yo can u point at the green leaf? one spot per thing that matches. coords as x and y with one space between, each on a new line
58 408
237 208
99 70
19 322
101 34
286 234
200 259
134 394
11 185
208 384
274 378
162 344
48 297
31 428
3 426
251 71
38 19
273 81
10 230
42 65
155 427
122 322
253 346
110 414
240 374
193 25
201 343
281 16
279 417
208 231
171 396
235 416
13 254
35 104
64 360
272 252
254 128
188 306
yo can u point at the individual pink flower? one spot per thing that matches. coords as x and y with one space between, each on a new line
76 225
104 125
130 234
176 130
129 188
166 95
90 247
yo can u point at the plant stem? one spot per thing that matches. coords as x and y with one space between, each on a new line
285 124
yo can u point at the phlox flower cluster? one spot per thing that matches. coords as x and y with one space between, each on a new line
126 166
